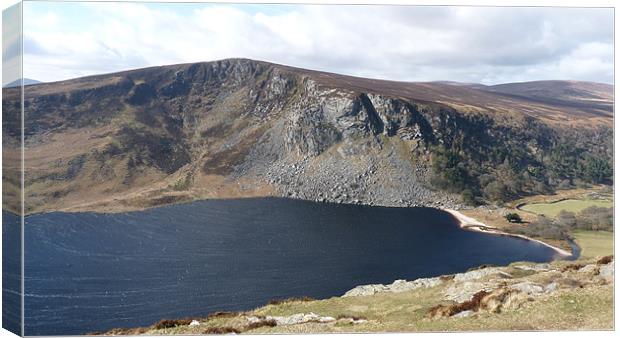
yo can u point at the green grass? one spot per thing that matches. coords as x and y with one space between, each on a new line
552 209
594 243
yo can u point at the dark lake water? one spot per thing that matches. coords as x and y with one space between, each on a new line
88 272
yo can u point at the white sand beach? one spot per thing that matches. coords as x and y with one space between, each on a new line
473 224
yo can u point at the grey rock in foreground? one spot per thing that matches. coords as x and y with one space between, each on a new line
398 286
530 288
480 273
298 318
607 271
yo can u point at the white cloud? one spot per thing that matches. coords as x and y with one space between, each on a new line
394 42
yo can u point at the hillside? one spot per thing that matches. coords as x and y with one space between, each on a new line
239 128
521 297
584 96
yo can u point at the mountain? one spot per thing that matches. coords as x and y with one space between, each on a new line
580 95
462 84
18 83
242 128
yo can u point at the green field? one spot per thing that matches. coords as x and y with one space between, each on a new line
594 243
552 209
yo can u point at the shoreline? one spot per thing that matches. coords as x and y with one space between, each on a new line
108 209
472 224
465 222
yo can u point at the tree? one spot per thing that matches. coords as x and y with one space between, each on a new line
540 188
507 175
450 170
567 219
597 170
563 162
496 191
467 196
596 218
543 227
513 217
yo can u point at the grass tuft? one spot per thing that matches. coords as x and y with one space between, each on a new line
483 266
277 301
353 317
170 323
262 323
572 267
449 310
605 260
221 330
223 314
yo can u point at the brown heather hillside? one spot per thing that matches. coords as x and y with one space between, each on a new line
589 97
238 128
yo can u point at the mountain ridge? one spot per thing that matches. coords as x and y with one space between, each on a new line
242 128
426 91
309 71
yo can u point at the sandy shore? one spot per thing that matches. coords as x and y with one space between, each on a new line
473 224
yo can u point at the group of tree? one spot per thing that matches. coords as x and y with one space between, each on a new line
513 217
591 218
544 227
485 162
560 227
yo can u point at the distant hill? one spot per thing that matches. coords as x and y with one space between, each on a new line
462 84
241 128
18 83
581 95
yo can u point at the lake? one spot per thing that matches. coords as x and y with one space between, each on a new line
89 272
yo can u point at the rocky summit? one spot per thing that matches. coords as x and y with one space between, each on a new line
244 128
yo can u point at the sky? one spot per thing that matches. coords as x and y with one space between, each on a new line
11 63
487 45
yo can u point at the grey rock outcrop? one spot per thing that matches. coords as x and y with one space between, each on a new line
534 267
397 286
298 318
463 291
607 271
480 273
529 288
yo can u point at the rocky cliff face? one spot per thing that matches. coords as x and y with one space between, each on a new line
238 128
